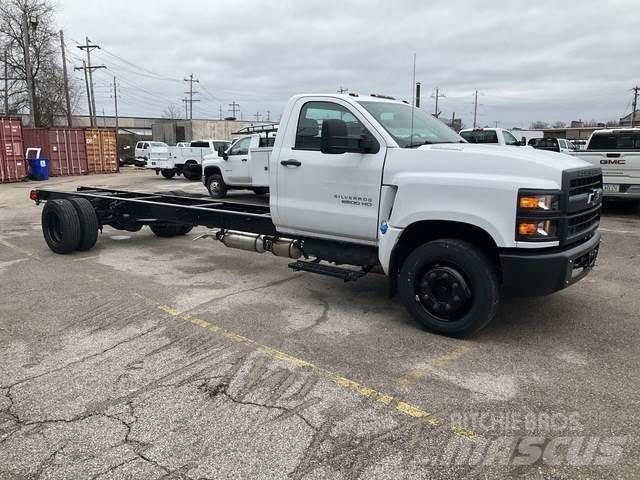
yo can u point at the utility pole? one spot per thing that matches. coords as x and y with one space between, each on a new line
86 83
191 81
220 112
437 95
257 115
186 108
418 86
635 105
28 73
475 109
115 99
234 107
268 116
88 47
453 120
65 79
343 90
6 82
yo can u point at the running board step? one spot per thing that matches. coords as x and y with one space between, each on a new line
313 267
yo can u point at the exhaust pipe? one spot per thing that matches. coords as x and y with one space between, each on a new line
280 247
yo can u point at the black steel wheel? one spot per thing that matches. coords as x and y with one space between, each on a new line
216 186
61 226
450 287
88 223
168 174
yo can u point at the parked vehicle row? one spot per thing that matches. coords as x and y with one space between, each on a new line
178 160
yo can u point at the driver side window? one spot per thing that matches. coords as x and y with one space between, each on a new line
308 134
241 147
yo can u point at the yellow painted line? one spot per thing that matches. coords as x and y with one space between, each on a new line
417 374
351 385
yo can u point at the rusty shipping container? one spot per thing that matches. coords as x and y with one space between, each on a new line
102 150
13 166
64 147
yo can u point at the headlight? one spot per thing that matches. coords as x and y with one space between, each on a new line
542 202
533 229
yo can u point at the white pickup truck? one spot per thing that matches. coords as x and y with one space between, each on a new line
617 152
243 165
364 184
490 136
187 161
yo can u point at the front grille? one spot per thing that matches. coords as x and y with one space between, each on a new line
582 203
582 185
583 222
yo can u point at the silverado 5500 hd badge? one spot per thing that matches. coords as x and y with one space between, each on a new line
354 200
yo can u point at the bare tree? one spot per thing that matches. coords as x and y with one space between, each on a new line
613 123
538 125
46 70
172 112
559 124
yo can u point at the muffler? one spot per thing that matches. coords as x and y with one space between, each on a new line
252 242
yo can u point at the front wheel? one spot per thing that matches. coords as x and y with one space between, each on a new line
450 287
216 186
168 174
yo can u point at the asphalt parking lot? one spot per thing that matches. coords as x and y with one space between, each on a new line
156 358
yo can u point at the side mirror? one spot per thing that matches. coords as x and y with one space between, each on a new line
335 139
523 142
222 153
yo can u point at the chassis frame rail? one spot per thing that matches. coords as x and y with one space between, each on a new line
123 208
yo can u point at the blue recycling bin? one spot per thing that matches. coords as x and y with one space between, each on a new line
39 168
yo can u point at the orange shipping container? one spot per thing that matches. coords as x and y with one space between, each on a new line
64 147
102 150
13 166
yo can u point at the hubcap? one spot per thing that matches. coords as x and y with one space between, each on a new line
214 187
444 292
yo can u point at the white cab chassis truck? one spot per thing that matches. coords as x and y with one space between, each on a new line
364 184
243 165
617 152
187 161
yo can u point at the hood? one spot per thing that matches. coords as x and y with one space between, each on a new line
522 166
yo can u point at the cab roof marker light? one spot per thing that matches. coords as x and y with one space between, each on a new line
386 97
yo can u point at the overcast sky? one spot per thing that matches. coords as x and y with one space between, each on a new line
534 60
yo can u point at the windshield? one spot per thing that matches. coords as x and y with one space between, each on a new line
396 120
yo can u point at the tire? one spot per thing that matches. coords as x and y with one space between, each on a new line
450 287
61 226
216 186
168 174
261 190
88 223
168 231
192 172
184 229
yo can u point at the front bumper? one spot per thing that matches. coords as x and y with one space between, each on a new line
527 272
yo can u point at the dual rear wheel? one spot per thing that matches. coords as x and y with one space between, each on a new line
72 224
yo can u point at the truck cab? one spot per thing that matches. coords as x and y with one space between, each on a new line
617 152
187 160
490 136
243 165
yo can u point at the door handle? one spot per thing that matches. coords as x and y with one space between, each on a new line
290 163
244 160
613 155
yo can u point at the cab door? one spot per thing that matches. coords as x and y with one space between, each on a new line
328 195
236 168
